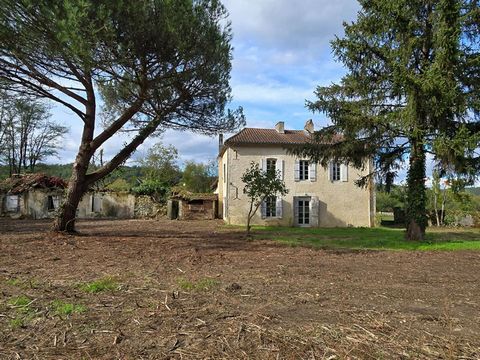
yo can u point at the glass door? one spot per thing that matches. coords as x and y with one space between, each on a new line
303 211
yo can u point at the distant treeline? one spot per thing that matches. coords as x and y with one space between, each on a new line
130 174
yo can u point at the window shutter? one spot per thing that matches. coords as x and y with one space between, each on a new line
344 172
314 211
312 168
295 210
330 170
263 164
279 208
279 168
56 201
263 209
297 170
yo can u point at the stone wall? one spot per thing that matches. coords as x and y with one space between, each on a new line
147 208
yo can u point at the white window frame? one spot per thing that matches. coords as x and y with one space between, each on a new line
270 207
271 164
336 171
304 167
275 207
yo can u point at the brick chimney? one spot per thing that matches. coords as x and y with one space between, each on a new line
309 127
280 127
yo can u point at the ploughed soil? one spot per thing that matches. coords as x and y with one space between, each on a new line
197 290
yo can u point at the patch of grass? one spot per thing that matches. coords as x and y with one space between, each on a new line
371 238
200 285
13 282
17 322
24 284
105 284
21 305
63 308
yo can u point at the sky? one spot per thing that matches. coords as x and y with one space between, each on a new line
281 54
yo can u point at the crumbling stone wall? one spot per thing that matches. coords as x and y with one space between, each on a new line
147 208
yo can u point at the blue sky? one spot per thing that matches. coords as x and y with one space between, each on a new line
281 53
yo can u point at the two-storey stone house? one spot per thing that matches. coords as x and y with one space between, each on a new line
317 196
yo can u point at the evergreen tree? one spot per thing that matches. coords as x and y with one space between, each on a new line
411 89
154 64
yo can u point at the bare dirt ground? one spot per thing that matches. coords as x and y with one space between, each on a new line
195 290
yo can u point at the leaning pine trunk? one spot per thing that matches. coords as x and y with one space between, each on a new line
65 220
416 193
77 186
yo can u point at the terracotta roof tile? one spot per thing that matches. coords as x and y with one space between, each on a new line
21 183
268 136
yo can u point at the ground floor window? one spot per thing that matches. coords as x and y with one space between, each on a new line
96 203
12 203
271 206
53 201
302 211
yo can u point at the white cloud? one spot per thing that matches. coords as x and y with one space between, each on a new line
286 24
270 93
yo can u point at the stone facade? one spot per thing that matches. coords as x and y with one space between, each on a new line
119 205
44 204
322 200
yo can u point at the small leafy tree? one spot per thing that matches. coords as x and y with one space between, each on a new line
161 165
438 194
259 185
198 177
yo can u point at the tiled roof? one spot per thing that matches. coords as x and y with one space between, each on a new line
268 136
21 183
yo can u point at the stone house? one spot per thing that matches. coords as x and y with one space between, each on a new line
317 197
39 196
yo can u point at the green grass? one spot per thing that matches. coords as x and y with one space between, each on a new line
105 284
17 322
24 284
24 313
13 282
20 302
371 238
63 308
201 284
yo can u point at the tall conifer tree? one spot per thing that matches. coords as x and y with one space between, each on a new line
411 89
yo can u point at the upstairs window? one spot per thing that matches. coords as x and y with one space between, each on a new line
303 175
336 171
271 166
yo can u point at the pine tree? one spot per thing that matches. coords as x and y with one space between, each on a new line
154 64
